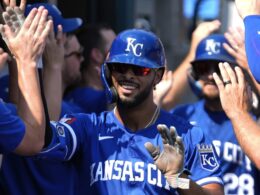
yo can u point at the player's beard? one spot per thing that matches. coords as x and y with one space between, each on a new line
136 100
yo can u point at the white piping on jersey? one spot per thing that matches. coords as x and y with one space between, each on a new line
42 152
209 180
74 138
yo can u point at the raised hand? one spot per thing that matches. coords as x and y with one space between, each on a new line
14 18
29 42
203 30
12 4
170 160
54 53
236 95
248 7
235 37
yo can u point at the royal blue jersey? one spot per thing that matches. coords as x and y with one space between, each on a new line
12 130
240 176
88 99
30 176
252 44
111 159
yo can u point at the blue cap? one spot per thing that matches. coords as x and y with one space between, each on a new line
211 49
68 24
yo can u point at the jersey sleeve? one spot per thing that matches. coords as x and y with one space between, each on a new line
12 130
201 158
67 137
252 44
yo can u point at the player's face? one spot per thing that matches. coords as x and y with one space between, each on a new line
133 84
204 71
73 59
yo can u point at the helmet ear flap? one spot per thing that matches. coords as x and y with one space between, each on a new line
111 93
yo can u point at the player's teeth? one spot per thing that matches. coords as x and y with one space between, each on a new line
128 87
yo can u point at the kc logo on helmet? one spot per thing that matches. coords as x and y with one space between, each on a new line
136 48
212 47
208 159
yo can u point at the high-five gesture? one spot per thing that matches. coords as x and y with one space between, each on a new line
27 47
170 160
248 7
33 33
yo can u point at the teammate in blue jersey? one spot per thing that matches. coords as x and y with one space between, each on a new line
234 97
89 93
27 175
240 176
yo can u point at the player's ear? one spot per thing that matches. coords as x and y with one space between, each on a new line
158 75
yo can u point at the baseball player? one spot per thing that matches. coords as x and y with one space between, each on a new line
108 149
89 93
20 175
235 95
240 176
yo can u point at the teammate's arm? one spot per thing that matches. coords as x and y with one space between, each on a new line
235 100
53 58
249 10
33 32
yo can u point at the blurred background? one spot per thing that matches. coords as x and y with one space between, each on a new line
172 20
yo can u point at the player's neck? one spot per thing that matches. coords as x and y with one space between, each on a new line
137 118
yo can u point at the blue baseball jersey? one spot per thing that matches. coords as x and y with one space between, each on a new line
12 129
240 176
31 176
111 159
252 44
88 99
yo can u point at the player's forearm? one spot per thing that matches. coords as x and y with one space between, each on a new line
30 109
52 82
248 135
180 84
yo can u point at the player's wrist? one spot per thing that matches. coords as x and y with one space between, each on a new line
179 180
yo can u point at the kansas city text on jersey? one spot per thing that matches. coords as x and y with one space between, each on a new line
127 171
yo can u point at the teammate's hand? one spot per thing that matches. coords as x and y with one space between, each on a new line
29 42
203 30
53 55
170 160
235 96
163 87
248 7
235 37
14 18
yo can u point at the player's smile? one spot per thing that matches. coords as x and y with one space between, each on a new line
128 87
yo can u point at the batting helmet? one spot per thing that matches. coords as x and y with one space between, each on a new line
136 47
211 49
